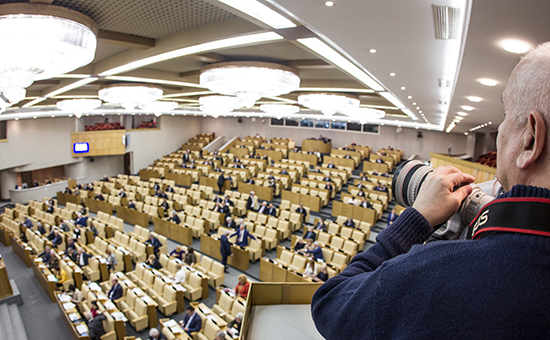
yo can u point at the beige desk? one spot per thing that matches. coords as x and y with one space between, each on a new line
5 286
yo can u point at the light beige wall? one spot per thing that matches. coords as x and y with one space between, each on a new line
406 140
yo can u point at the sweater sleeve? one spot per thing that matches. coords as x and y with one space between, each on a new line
345 302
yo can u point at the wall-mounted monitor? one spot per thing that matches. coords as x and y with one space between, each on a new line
81 147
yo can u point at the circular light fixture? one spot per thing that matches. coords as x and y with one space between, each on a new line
410 97
462 113
372 50
158 108
515 46
329 103
487 82
459 117
329 3
466 107
78 106
249 81
474 99
403 88
43 41
130 95
392 74
280 110
216 105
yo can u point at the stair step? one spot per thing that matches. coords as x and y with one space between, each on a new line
5 319
17 322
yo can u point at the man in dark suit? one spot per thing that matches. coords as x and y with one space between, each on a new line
121 193
99 197
365 204
170 189
174 218
229 223
327 179
156 187
272 211
310 234
217 199
225 209
192 322
82 258
105 178
284 172
27 223
81 220
251 181
186 157
301 210
225 250
329 187
349 223
321 225
71 244
154 242
95 325
228 202
131 205
331 165
251 202
263 208
221 181
242 236
57 239
317 252
40 228
116 290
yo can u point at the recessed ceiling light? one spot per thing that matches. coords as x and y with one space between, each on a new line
487 82
465 133
392 74
410 97
474 99
462 114
372 50
16 118
329 3
34 117
414 103
419 111
515 46
418 107
490 123
467 108
403 88
459 117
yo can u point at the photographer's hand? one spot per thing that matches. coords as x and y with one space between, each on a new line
436 200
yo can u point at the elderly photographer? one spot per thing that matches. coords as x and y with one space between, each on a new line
494 286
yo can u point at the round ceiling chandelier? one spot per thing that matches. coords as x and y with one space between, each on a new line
249 81
158 108
40 42
78 106
130 95
216 105
280 110
365 115
329 103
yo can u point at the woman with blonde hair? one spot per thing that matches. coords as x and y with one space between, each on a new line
242 287
310 270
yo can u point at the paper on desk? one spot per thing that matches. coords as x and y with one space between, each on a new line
28 248
179 288
146 299
212 318
102 260
81 329
176 329
41 266
95 287
206 311
64 298
109 305
233 332
127 282
118 316
170 323
38 259
51 278
69 305
73 317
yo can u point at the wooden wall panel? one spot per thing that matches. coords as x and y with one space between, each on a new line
102 143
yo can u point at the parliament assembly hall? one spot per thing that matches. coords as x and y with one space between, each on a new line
274 169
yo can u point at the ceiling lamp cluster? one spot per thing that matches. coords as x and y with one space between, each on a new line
130 95
329 103
249 81
280 110
42 41
365 115
78 106
480 126
217 105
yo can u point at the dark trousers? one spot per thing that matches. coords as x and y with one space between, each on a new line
224 261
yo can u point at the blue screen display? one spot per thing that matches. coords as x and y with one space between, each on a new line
81 147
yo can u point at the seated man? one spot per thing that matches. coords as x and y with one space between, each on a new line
217 199
349 223
310 234
284 172
99 197
40 228
317 252
131 205
365 204
331 165
174 218
272 211
121 193
57 239
154 242
301 210
229 223
27 223
192 321
82 258
228 202
116 290
263 208
95 325
321 225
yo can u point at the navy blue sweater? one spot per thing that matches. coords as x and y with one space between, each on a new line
497 287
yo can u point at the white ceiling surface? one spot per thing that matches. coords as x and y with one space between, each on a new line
402 32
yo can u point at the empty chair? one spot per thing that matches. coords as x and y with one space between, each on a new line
298 263
339 260
337 242
167 303
92 269
193 288
270 239
138 316
205 265
254 249
224 305
209 332
285 257
216 275
197 228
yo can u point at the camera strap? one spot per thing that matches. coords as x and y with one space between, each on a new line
524 215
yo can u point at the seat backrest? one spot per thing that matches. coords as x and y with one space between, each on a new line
169 293
217 268
350 246
163 259
346 232
195 280
140 307
327 254
196 211
210 329
287 256
283 225
272 221
260 230
333 228
225 302
270 234
158 286
140 269
324 238
130 298
299 261
339 259
255 245
237 308
206 263
148 277
337 242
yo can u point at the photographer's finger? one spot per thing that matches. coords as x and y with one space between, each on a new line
462 192
460 178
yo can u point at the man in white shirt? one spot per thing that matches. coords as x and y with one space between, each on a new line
180 274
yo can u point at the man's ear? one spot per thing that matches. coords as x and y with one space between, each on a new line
532 141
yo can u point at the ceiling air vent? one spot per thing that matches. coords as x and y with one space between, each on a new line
446 22
444 83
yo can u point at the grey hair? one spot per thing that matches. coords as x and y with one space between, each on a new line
226 232
220 335
154 332
528 88
239 316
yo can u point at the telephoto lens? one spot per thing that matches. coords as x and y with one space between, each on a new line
407 181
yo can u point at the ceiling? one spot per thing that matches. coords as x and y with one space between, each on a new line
409 61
